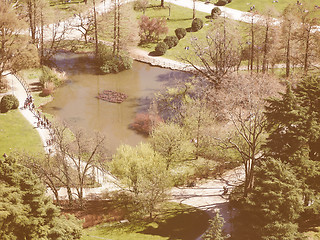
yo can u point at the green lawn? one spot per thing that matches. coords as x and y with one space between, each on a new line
180 17
177 222
260 5
16 133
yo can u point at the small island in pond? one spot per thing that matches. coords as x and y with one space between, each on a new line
112 96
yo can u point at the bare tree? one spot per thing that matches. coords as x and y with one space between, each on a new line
80 154
85 21
218 55
243 98
14 47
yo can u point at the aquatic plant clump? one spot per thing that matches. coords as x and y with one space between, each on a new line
112 96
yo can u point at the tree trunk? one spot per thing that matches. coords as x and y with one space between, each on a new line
252 46
288 53
265 49
118 29
115 28
162 3
95 27
306 57
41 41
194 10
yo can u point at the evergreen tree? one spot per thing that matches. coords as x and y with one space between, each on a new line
294 126
272 209
26 213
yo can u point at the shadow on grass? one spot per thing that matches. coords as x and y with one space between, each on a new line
154 54
182 224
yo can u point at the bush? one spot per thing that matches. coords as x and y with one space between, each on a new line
180 33
152 28
197 24
50 75
161 48
144 122
47 89
222 2
171 41
9 102
109 63
215 12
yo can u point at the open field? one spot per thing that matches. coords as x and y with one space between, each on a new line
17 134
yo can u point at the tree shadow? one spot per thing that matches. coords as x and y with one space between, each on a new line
182 224
154 54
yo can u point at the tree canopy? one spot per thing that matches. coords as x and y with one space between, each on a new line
26 212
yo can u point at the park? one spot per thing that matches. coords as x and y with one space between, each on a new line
159 119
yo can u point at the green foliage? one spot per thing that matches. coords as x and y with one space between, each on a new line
294 125
214 231
171 41
215 12
180 33
143 171
110 63
196 25
9 102
272 210
161 48
26 212
171 142
50 76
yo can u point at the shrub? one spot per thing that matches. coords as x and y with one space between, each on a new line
180 33
140 5
51 75
109 63
144 122
171 41
152 28
9 102
47 89
161 48
222 2
197 24
215 12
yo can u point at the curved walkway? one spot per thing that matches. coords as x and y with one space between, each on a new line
209 195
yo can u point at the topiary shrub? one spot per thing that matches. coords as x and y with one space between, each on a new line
9 102
161 48
180 33
197 24
222 2
215 12
171 41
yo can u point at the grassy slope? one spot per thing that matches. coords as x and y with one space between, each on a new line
260 5
180 17
16 133
178 222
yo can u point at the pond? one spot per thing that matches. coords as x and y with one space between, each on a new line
76 101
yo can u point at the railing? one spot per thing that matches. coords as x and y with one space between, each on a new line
23 83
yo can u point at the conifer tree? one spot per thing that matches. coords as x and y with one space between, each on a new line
26 213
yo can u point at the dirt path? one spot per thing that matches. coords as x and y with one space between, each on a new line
209 195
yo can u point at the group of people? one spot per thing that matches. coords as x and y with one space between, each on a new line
42 120
28 103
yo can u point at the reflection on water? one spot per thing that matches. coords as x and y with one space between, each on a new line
76 102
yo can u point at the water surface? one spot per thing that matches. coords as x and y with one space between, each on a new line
76 102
